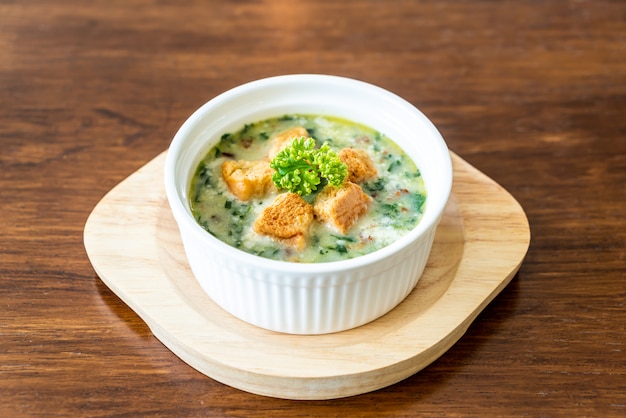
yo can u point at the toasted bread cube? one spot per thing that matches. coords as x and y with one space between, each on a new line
281 140
360 165
247 179
340 207
287 220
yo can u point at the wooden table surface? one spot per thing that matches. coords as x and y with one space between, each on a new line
531 93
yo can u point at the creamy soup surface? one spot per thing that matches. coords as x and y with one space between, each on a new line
398 195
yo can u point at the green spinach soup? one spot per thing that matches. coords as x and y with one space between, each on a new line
307 188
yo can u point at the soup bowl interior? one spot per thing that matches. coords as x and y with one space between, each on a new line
261 291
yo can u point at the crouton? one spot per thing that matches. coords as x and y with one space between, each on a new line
286 220
247 179
360 165
281 140
340 207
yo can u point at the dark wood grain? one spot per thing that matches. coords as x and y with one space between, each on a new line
531 93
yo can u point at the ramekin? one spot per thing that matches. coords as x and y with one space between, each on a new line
308 298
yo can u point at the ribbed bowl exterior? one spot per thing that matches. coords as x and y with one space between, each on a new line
307 303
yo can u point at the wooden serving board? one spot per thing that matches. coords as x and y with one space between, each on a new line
134 245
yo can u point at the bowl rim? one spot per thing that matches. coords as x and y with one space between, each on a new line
185 219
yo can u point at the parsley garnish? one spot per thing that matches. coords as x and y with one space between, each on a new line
301 167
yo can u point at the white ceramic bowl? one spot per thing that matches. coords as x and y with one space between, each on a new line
313 298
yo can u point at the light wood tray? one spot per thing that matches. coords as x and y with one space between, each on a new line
134 245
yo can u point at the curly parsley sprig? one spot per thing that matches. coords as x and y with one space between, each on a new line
300 167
